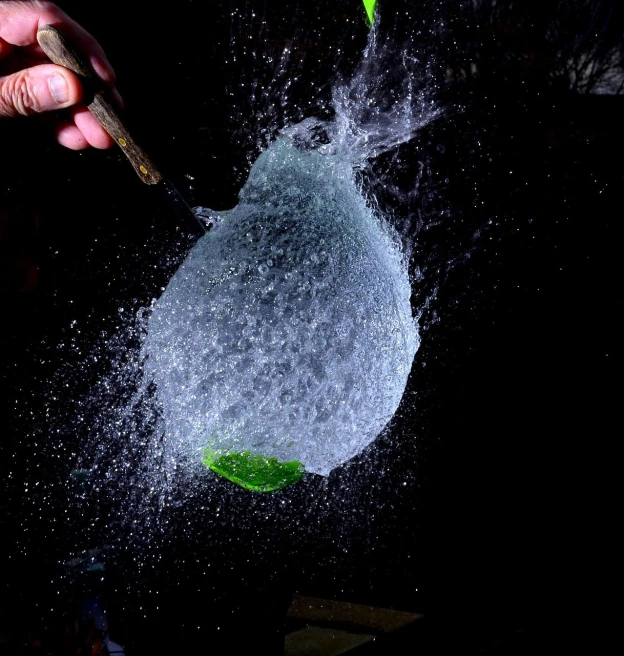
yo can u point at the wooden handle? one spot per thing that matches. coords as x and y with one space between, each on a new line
57 47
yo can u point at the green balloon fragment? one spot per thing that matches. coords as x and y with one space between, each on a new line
254 472
369 5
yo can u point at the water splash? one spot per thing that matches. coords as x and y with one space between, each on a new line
383 105
288 330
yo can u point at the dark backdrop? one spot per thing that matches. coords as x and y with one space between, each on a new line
503 521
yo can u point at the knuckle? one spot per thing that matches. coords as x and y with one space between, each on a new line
18 97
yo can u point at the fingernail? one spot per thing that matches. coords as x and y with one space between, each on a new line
58 88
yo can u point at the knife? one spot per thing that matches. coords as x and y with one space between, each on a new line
60 51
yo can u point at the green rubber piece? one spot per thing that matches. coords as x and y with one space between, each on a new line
369 5
254 472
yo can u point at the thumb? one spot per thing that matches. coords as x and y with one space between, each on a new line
38 89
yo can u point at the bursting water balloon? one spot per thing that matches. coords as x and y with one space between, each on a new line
284 342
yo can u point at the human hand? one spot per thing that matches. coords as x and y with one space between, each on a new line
30 87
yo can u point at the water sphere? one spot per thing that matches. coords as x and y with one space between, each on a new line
284 341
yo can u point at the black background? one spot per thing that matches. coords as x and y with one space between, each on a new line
501 533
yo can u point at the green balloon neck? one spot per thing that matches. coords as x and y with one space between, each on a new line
369 5
253 472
